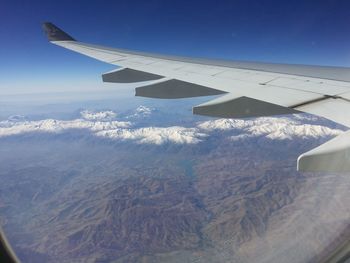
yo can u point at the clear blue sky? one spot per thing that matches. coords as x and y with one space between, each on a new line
305 32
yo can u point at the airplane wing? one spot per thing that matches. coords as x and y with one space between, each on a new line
247 89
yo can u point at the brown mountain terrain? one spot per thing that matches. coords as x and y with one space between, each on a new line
96 202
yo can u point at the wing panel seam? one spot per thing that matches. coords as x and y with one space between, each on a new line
325 97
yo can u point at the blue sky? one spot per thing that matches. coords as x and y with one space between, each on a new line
305 32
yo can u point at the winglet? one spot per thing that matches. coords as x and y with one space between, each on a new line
56 34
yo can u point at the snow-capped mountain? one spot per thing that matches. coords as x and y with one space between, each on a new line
279 128
103 124
230 181
98 116
141 112
156 135
99 124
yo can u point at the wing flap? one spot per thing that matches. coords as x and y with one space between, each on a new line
332 108
309 85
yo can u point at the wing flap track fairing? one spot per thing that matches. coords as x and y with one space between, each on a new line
127 75
175 89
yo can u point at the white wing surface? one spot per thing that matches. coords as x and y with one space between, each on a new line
248 89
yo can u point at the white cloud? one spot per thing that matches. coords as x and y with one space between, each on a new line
15 118
98 116
8 128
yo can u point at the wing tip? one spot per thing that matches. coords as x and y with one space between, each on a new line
54 33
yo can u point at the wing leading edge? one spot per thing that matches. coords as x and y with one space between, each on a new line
250 89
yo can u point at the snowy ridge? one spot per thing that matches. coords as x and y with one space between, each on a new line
156 135
141 111
103 124
98 124
8 128
98 116
280 128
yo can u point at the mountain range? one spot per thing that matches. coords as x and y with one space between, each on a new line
107 187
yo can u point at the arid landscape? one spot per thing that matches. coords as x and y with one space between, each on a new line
104 187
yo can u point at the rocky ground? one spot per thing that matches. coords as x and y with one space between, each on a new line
68 197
